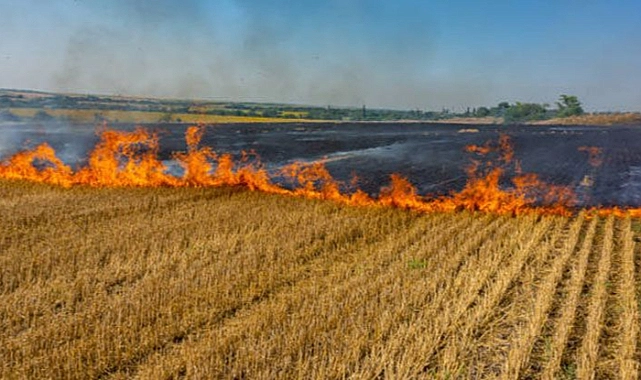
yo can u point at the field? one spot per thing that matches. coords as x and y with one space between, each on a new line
227 283
627 118
115 116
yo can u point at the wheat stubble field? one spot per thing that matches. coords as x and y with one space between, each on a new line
224 283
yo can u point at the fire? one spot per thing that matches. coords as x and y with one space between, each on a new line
130 159
124 159
23 165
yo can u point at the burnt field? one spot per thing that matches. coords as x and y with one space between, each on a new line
431 156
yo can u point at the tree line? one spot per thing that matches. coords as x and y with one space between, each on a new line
567 105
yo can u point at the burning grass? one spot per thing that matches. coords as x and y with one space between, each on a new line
495 183
227 283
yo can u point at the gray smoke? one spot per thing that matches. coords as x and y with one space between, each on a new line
322 53
71 142
339 65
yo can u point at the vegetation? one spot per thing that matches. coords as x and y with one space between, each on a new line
520 112
569 106
199 283
30 105
614 118
113 116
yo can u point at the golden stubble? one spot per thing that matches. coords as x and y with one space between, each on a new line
226 283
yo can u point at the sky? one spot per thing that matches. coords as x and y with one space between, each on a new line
404 54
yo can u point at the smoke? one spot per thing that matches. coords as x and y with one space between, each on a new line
9 139
72 143
266 54
336 52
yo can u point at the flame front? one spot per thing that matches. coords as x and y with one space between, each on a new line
130 159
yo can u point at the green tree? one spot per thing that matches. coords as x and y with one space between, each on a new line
500 109
569 105
482 112
270 112
524 112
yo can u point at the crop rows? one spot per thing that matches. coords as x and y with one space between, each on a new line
223 283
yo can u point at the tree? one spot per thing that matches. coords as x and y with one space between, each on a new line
482 112
524 112
270 112
569 105
499 110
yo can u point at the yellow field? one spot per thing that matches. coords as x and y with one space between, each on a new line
595 119
224 283
89 116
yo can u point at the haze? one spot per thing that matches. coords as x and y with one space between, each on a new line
389 54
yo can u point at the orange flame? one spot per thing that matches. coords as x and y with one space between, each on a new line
21 166
130 159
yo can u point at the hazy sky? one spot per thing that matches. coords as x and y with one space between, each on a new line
394 53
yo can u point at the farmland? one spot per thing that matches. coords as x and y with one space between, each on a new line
222 282
93 115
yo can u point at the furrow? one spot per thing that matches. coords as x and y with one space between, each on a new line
523 341
209 273
589 350
78 230
463 333
338 314
390 357
628 323
409 353
298 270
563 325
52 270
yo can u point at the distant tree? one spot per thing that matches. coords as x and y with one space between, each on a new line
482 112
270 112
569 105
503 105
524 112
499 110
430 115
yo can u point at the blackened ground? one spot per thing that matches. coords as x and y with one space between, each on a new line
432 156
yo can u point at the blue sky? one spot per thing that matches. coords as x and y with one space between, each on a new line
396 54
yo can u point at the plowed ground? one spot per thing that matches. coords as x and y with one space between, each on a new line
222 283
